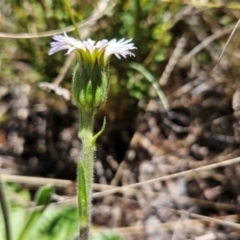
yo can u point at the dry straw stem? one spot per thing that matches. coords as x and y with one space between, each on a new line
171 176
226 45
169 225
133 229
221 32
101 9
37 182
172 224
133 143
173 60
136 229
198 4
73 201
105 190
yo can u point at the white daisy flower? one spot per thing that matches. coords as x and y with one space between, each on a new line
93 49
91 74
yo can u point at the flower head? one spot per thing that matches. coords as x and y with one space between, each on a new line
94 50
91 75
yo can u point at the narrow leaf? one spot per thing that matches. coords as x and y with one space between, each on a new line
152 80
42 199
82 195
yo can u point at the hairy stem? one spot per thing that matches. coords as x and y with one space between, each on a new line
85 172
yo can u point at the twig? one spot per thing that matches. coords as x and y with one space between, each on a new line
100 11
181 212
36 181
226 45
171 176
64 70
173 60
134 141
206 42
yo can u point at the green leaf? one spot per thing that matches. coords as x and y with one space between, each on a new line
43 198
82 195
152 80
95 137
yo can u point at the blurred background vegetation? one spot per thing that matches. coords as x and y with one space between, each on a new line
167 111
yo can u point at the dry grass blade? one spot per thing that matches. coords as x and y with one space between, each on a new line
100 11
228 41
169 225
171 176
37 182
173 60
64 183
206 42
199 4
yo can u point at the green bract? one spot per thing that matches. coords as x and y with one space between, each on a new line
90 84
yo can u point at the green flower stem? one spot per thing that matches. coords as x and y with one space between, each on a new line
85 172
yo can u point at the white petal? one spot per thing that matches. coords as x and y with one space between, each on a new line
62 42
121 48
89 44
101 44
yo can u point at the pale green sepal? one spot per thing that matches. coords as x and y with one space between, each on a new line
76 84
90 85
82 196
